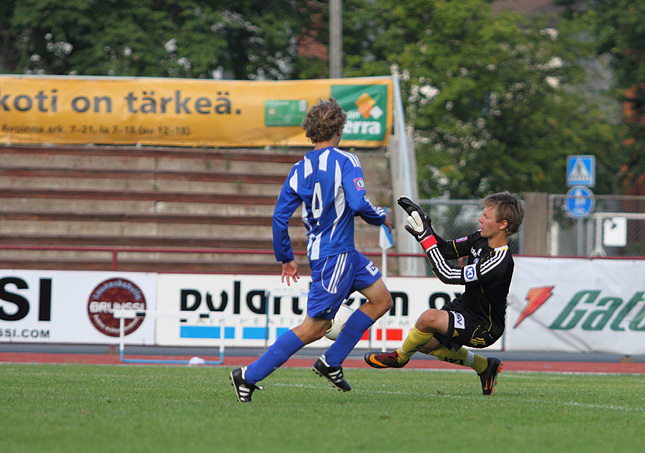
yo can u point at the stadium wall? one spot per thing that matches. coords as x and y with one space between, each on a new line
559 304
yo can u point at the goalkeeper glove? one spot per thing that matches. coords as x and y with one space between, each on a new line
418 227
410 206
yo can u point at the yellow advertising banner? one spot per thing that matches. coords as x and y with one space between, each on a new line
185 112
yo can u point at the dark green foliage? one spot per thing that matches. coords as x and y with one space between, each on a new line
494 101
176 38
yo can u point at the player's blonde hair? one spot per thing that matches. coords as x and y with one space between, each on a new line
507 206
323 120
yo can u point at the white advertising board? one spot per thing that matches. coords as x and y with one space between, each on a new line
559 304
572 304
242 301
73 307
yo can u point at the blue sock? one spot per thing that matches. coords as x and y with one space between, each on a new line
354 328
279 352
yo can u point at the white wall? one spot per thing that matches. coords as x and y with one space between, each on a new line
560 304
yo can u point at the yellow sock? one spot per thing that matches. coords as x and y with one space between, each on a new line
413 342
462 357
480 365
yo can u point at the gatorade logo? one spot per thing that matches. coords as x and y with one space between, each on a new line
366 106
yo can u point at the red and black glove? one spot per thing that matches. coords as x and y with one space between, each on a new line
419 224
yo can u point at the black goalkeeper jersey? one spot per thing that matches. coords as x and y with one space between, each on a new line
486 275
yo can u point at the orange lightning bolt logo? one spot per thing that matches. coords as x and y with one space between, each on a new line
535 297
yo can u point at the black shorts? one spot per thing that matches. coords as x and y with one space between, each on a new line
466 329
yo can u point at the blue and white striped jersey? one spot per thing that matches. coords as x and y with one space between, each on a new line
328 183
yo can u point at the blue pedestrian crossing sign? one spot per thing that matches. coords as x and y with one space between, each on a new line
581 171
579 201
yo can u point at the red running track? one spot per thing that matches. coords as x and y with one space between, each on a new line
509 365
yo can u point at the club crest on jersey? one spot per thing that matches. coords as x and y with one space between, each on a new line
359 183
470 274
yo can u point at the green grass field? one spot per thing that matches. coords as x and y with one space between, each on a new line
99 408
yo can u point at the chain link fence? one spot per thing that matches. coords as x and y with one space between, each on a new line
452 219
615 227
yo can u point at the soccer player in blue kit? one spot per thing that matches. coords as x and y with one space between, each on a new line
329 185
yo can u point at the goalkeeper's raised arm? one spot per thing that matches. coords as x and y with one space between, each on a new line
485 267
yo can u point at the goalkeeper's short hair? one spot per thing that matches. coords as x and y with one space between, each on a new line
507 207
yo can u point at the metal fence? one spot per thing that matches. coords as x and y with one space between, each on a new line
614 228
452 219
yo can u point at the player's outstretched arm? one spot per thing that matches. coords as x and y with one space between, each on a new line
419 228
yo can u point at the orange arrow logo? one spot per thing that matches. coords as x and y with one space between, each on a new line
536 298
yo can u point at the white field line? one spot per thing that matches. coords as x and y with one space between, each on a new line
465 397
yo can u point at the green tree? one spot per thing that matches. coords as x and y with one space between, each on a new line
495 102
239 39
620 31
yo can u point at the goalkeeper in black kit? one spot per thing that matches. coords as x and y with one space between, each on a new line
476 318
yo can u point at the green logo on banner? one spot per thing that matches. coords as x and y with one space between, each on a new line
366 107
284 112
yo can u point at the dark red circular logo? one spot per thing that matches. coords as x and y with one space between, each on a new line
115 294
